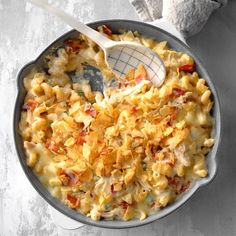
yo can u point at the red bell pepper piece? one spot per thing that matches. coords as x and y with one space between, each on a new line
89 109
188 68
176 92
74 201
31 104
75 45
107 30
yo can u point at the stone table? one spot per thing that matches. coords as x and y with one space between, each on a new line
24 32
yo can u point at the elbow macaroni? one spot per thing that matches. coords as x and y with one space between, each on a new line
115 158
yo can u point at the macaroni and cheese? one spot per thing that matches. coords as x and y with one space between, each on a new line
116 156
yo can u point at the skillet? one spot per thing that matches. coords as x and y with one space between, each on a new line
149 31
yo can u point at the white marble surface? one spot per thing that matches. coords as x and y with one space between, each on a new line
24 32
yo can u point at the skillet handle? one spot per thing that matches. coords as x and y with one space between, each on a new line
64 221
169 27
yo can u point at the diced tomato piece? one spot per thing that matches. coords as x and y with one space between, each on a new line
124 84
178 185
153 204
76 45
176 92
124 204
31 104
54 147
50 145
155 149
185 186
133 109
107 30
80 140
74 201
83 133
89 109
173 182
170 162
112 189
188 68
139 78
71 176
80 137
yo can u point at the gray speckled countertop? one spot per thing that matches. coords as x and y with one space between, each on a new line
24 32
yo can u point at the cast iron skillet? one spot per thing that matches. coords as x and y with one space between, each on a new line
150 31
